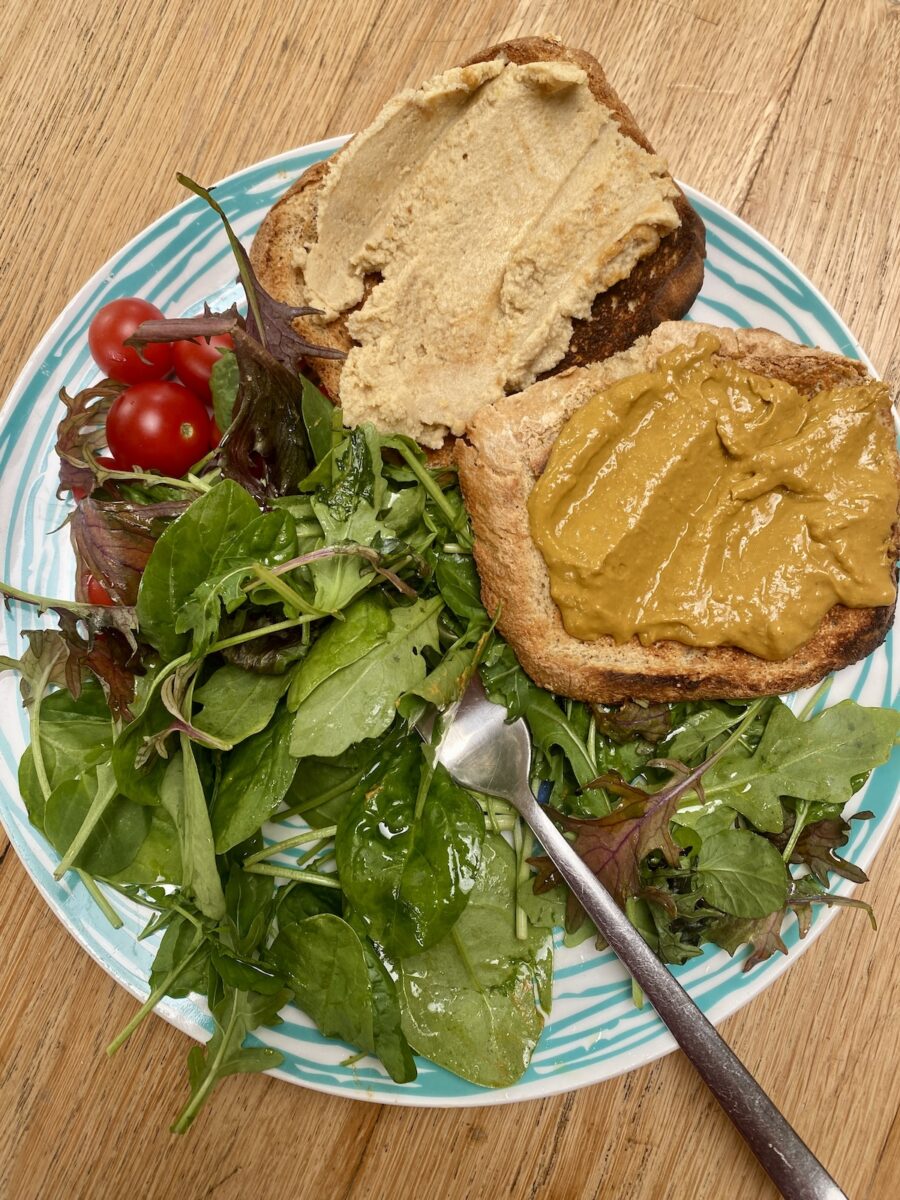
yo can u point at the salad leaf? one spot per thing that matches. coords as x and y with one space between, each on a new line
366 624
365 693
237 703
111 547
254 779
183 796
742 874
234 1016
407 865
322 787
623 722
318 415
806 759
189 552
116 835
815 847
224 380
468 1002
83 428
326 964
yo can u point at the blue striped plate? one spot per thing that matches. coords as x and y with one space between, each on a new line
178 262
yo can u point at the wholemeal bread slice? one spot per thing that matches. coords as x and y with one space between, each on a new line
661 286
505 450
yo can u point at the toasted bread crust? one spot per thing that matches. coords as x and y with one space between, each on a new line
507 447
662 286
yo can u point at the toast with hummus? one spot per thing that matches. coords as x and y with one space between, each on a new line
503 221
678 552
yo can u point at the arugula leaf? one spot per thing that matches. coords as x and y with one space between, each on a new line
407 866
811 760
742 874
254 779
366 692
236 703
235 1015
176 964
332 975
468 1002
506 683
459 585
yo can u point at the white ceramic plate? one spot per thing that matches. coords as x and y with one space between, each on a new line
181 260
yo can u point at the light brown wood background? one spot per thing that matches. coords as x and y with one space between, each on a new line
786 111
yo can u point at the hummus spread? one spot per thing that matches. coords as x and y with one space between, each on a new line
707 505
494 202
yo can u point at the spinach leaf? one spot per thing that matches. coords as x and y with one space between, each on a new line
188 553
326 964
223 384
139 770
366 625
742 874
296 902
407 868
158 858
322 787
359 701
810 760
268 539
234 1016
116 836
75 735
238 703
468 1002
255 776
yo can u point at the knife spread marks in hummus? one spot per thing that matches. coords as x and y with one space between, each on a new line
495 202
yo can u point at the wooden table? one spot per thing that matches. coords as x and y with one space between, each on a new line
786 111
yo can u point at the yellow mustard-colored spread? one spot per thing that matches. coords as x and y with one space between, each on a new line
704 504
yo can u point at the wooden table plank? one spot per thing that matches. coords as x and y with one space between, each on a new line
786 111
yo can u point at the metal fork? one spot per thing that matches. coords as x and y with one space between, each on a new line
484 752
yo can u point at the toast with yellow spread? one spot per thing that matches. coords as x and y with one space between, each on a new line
506 451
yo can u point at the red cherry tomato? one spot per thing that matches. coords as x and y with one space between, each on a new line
96 592
215 433
107 332
159 426
193 361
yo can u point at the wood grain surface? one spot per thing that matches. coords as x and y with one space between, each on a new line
786 111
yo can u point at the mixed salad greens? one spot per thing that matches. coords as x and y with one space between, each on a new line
273 626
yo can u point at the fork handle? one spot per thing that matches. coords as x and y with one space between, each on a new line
793 1167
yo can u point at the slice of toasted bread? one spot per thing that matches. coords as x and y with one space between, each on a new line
505 450
660 287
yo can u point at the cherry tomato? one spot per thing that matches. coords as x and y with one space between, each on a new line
159 426
215 434
96 592
107 332
194 360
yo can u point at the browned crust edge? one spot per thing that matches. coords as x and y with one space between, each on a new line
504 452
